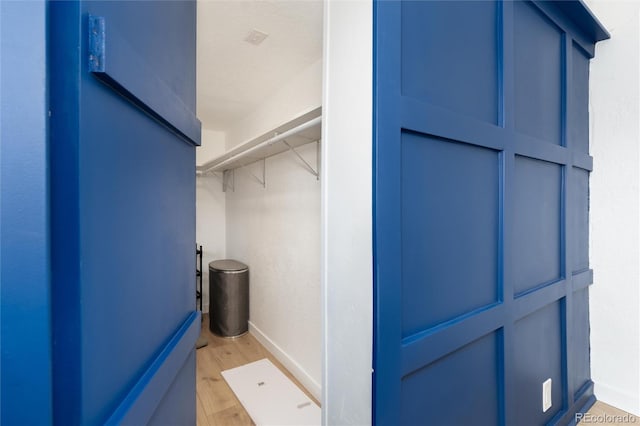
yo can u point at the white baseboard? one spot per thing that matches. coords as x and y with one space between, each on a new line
617 398
290 364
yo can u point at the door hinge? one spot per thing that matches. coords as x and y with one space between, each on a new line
96 43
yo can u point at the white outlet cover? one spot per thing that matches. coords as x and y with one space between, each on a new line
546 395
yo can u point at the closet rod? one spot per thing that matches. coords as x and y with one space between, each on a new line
216 167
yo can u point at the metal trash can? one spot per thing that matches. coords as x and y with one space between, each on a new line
228 298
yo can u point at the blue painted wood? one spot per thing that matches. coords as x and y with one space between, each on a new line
123 213
538 356
537 240
469 384
481 211
176 408
64 30
430 167
387 333
582 20
579 98
25 308
538 53
113 61
143 400
447 80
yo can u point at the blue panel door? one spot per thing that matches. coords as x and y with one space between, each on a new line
481 212
122 156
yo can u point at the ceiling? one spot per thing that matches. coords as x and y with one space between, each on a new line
234 76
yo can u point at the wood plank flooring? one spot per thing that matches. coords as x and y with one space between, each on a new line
216 404
605 414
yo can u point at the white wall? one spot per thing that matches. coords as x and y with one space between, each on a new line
347 276
615 213
276 231
213 145
210 209
302 94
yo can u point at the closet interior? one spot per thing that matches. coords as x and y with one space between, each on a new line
259 79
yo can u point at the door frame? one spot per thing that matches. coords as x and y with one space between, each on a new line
346 213
341 277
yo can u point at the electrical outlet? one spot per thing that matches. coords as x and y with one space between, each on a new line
546 395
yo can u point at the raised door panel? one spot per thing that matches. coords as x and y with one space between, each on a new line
481 212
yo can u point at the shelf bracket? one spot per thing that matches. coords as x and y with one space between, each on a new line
229 180
313 171
218 175
262 181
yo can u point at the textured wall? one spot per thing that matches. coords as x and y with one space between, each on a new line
615 200
276 231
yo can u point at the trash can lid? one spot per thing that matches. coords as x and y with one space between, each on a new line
227 265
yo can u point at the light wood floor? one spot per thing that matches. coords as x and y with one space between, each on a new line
216 404
600 410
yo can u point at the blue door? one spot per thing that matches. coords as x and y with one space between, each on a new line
481 211
122 147
112 295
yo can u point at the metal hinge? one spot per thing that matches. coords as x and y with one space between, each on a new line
96 43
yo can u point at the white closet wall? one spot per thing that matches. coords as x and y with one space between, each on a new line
276 231
210 209
213 145
301 94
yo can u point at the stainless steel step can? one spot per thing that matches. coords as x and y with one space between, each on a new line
228 298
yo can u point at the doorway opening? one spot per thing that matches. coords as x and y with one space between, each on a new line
259 91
